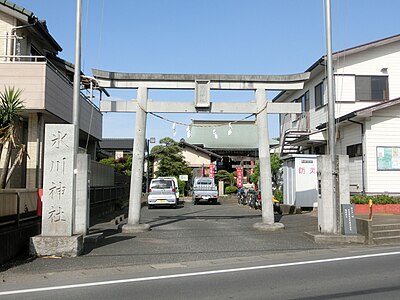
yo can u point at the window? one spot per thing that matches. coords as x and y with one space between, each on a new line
354 150
372 88
306 104
319 95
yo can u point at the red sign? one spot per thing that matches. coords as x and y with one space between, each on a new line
239 177
211 171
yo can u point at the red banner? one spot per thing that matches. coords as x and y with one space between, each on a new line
239 177
211 170
252 169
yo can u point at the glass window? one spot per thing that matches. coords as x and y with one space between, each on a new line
306 104
319 95
354 150
372 88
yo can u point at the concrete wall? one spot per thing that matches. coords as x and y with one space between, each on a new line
101 175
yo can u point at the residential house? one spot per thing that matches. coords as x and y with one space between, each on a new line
198 158
367 113
116 147
29 61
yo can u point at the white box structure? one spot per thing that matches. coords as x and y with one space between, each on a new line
300 181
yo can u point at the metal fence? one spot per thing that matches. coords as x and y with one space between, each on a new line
20 205
17 205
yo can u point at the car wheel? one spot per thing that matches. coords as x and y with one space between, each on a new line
149 206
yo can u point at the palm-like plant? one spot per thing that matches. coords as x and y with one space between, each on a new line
11 106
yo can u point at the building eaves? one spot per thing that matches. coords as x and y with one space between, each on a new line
116 144
17 8
363 112
182 142
29 17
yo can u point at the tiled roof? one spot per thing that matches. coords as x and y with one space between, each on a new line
116 144
244 135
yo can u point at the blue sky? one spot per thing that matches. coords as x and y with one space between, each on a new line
207 36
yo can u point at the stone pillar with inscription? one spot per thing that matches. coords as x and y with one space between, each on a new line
58 195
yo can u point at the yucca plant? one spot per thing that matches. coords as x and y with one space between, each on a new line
11 105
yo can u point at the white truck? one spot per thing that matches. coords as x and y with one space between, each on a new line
204 189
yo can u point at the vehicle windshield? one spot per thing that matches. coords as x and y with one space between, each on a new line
204 182
161 184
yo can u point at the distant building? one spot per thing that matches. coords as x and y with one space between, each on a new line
198 158
367 112
116 147
235 141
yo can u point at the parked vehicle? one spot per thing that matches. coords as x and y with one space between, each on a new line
204 189
241 196
162 192
256 202
176 185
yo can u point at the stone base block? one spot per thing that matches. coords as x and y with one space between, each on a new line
135 228
65 246
320 238
269 227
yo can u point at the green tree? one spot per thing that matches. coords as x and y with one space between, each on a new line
11 106
276 172
121 165
226 177
169 159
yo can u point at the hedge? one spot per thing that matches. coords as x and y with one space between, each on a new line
231 190
378 199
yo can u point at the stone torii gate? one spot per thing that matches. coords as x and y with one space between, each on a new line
201 84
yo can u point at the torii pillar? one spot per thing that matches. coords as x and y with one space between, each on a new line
268 218
135 196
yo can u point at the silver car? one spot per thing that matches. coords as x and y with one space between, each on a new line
162 192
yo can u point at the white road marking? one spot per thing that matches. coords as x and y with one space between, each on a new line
92 284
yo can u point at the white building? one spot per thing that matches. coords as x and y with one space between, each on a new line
367 112
29 61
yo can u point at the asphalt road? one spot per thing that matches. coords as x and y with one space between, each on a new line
212 239
354 277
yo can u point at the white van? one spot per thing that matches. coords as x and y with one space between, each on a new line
176 185
162 192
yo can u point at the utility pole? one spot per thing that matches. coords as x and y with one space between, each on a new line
331 111
76 96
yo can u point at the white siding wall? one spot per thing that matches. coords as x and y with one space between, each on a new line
370 62
6 24
382 130
27 76
351 135
44 89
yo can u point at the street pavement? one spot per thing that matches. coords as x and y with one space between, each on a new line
187 239
188 233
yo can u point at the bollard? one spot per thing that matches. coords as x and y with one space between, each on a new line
370 209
